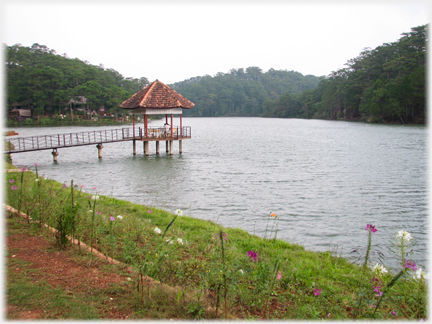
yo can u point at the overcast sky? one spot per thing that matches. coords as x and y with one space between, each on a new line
174 41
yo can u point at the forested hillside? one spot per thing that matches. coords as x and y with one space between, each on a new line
43 81
385 84
241 92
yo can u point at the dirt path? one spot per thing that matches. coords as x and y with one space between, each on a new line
58 268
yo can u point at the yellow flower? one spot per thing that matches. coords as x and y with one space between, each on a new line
273 214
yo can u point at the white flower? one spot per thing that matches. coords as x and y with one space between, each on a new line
420 274
119 217
157 230
36 179
90 211
180 241
379 269
95 197
179 212
241 270
404 236
170 241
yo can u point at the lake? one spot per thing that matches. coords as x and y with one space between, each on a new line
325 180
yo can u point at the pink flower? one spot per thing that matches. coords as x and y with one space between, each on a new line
14 187
112 219
23 169
410 264
64 185
82 186
279 276
393 313
150 211
371 228
98 213
94 188
317 291
11 180
252 254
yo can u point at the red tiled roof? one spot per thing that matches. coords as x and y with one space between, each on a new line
157 95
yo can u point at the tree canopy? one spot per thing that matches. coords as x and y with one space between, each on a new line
385 84
40 78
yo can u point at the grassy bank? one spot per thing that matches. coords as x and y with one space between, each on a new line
209 271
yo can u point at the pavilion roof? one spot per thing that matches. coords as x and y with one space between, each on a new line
157 95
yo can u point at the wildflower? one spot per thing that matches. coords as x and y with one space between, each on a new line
252 255
35 164
36 180
119 217
180 240
23 169
371 228
241 271
393 313
420 274
95 197
273 215
157 230
90 211
150 211
64 185
11 180
317 291
378 291
99 213
410 264
379 269
404 236
14 187
170 241
179 212
82 186
94 188
279 275
112 219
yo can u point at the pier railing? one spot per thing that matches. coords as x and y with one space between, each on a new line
46 142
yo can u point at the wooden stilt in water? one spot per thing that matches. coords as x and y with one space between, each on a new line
167 150
180 147
171 147
157 147
55 154
134 147
146 148
99 147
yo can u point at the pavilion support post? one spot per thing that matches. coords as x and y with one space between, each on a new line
181 126
172 126
167 150
171 147
146 124
180 147
146 148
99 147
157 147
55 154
134 146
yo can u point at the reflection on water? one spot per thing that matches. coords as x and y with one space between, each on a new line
325 180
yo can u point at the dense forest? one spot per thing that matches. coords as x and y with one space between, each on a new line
385 84
41 80
241 92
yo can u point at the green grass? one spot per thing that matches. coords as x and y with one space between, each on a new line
252 288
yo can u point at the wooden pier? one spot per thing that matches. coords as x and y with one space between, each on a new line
98 138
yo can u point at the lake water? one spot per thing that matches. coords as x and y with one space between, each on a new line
325 180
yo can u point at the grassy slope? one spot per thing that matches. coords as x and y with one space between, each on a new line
252 287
